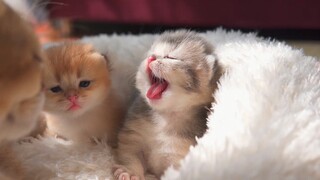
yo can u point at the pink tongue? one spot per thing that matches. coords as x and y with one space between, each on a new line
156 90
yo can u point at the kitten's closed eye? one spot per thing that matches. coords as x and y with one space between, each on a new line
84 84
169 57
56 89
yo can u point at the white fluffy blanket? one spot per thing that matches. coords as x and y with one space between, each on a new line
265 124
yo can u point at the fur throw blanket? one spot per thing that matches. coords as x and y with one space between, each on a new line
265 123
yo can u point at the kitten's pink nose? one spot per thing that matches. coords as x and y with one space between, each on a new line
73 98
151 58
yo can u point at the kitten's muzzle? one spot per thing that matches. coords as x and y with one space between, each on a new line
158 85
73 98
152 77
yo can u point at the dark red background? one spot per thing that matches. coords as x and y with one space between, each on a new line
294 14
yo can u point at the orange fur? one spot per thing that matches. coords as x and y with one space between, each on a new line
10 166
100 111
20 78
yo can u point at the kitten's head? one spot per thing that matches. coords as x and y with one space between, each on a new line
20 76
76 79
178 72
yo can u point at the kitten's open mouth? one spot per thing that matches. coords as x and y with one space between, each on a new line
74 107
158 85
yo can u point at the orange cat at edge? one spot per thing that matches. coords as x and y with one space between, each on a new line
20 80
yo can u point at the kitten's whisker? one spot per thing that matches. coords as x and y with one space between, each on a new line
166 77
132 76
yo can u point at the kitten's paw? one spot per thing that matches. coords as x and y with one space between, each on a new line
124 176
122 173
135 178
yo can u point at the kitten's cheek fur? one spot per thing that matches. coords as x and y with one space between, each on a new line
143 83
170 72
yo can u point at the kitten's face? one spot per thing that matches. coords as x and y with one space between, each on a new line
76 79
177 72
20 76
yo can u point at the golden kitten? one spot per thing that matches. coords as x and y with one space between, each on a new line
80 102
176 83
20 79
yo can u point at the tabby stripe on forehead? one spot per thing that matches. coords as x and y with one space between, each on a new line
194 84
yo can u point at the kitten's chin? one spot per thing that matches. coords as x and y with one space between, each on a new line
155 103
159 102
76 111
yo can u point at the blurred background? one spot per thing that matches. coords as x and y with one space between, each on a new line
295 21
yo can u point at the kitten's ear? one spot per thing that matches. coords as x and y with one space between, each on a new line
215 69
211 61
107 61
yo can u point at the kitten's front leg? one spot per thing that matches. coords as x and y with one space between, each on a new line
129 158
129 168
120 172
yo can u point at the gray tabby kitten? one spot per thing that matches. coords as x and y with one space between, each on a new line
176 83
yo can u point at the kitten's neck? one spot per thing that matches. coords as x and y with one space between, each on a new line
186 112
189 122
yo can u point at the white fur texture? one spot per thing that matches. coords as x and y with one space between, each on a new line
51 158
266 121
265 125
125 52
